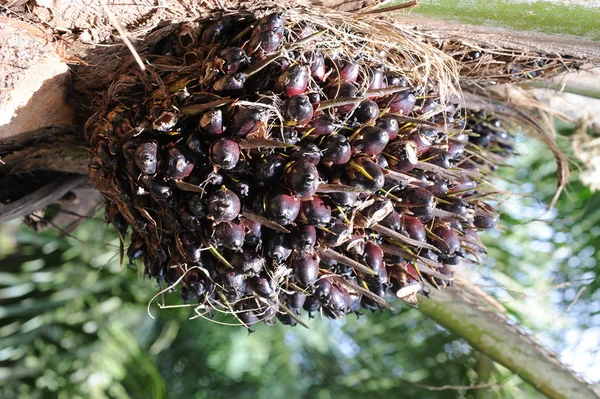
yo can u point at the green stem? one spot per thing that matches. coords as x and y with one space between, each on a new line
545 16
506 344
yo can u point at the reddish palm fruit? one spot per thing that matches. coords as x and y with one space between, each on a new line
377 80
346 70
419 202
308 152
292 81
366 174
317 66
321 125
402 155
264 43
401 103
342 90
414 228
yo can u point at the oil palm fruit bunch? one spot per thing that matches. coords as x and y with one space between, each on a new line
269 166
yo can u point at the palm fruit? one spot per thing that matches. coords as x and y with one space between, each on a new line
268 173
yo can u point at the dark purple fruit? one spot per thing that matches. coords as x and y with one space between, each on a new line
248 263
419 201
234 284
446 239
230 59
296 300
429 105
390 125
438 157
485 217
196 206
336 304
145 157
297 110
393 221
177 167
292 81
290 135
402 155
316 212
344 199
245 121
278 247
366 112
334 235
321 126
231 82
439 188
268 169
374 259
211 122
230 235
366 174
136 250
302 178
281 207
377 80
454 204
303 238
308 152
191 246
371 140
253 232
306 267
414 228
264 43
274 22
342 90
262 285
189 221
336 149
224 153
223 205
401 103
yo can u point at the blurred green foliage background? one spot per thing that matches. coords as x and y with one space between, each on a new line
74 321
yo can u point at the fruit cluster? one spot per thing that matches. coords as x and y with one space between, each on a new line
266 171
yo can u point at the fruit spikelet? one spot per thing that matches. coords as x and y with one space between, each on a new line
267 170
